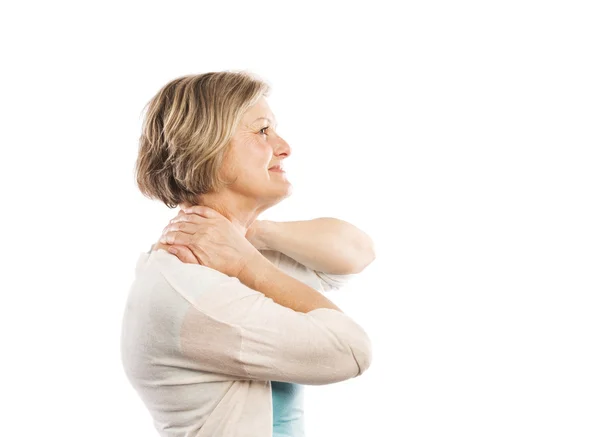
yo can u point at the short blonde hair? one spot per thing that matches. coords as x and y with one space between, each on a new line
188 126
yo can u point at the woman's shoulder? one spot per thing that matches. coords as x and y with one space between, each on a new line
194 282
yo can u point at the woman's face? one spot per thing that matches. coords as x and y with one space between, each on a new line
254 148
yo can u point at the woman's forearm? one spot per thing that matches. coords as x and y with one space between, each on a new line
325 244
263 276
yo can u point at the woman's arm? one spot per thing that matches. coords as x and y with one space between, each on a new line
263 276
246 334
324 244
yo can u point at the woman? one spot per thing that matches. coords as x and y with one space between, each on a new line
225 320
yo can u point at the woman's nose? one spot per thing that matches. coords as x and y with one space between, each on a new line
282 147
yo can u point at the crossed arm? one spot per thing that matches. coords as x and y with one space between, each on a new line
325 244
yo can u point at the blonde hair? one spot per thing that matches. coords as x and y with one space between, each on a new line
186 132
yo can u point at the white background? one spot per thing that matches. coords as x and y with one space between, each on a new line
462 136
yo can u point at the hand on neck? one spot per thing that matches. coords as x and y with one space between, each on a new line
240 218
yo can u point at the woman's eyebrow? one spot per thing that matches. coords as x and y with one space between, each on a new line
266 118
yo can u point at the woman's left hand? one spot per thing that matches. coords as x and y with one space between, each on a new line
183 252
253 235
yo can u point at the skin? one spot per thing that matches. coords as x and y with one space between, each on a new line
254 148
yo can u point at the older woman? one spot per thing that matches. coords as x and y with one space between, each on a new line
226 320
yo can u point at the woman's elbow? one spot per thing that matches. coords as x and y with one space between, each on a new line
344 346
354 361
361 350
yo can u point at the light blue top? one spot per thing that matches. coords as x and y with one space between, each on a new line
288 409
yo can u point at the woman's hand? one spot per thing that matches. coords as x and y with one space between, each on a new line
183 252
210 238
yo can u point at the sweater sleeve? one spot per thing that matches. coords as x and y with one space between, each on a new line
322 281
234 330
277 343
320 347
331 282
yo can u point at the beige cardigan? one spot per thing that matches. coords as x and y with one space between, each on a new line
200 348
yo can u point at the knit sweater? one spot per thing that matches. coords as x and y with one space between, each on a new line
201 348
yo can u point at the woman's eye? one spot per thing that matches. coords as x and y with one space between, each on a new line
261 131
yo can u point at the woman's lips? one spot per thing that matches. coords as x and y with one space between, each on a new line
279 170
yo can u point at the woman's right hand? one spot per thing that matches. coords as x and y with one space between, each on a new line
211 238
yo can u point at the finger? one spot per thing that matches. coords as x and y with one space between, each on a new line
186 228
176 237
192 218
179 214
203 211
184 254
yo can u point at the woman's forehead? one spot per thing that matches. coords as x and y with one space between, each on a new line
270 120
260 112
